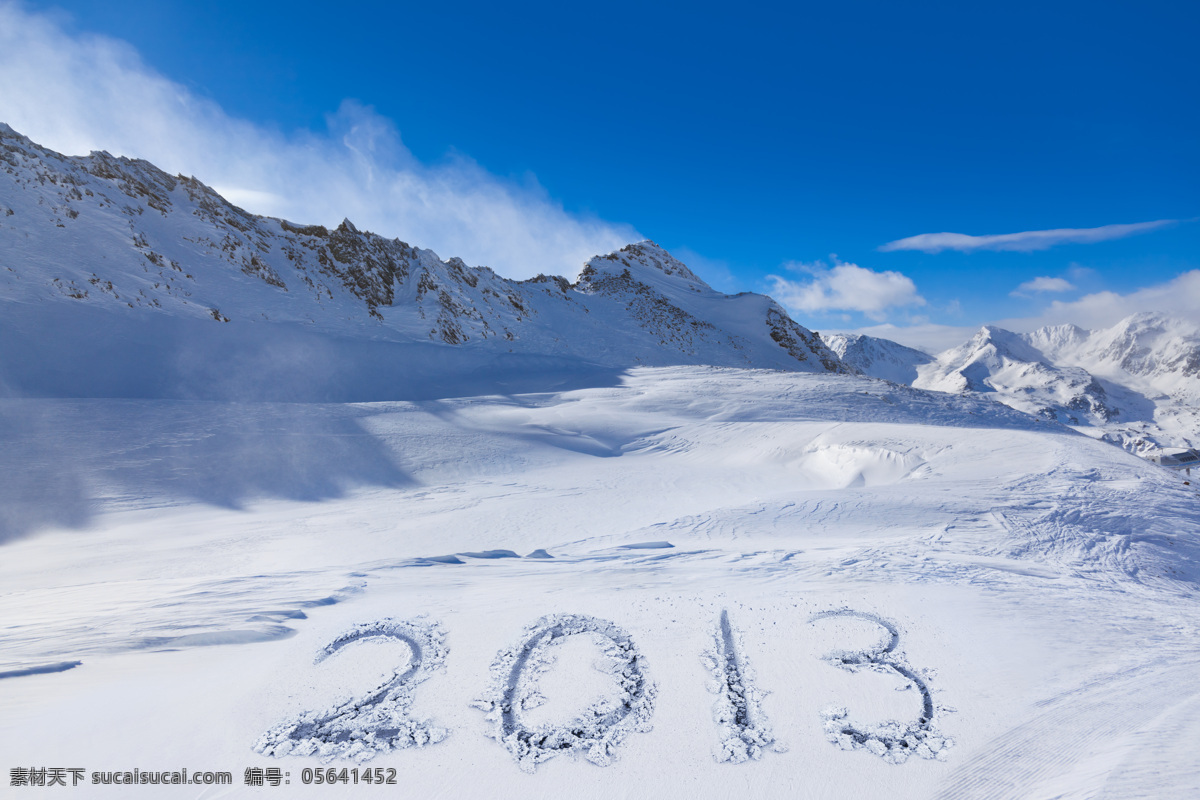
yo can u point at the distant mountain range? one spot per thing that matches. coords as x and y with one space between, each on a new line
1136 384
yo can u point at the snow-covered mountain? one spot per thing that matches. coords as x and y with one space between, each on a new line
996 360
100 249
879 358
1149 352
1136 384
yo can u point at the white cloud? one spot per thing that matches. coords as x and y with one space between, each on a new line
77 93
1080 272
1024 242
845 287
1043 284
1179 297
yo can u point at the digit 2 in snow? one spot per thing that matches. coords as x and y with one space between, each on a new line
377 722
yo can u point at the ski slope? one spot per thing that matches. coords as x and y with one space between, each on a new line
668 582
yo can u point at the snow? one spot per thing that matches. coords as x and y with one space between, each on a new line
745 732
1049 580
602 727
379 722
879 358
1136 385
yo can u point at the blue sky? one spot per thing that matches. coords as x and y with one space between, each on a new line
775 147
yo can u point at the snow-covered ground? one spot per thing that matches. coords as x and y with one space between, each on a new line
669 582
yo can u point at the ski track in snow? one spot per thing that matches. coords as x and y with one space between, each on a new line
1106 739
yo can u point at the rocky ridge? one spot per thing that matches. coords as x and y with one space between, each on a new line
122 235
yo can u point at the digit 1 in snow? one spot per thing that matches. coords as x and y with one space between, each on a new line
744 730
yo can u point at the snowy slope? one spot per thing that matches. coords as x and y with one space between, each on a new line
879 358
97 249
732 528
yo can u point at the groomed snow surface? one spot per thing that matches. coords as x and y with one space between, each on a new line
664 583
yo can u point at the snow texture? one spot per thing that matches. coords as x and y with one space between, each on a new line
41 669
1051 579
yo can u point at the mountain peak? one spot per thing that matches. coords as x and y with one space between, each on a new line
646 261
879 358
995 342
1152 324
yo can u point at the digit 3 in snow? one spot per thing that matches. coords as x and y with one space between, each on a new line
892 741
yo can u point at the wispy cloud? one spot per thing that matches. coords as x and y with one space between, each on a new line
1024 242
76 93
844 287
1042 284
